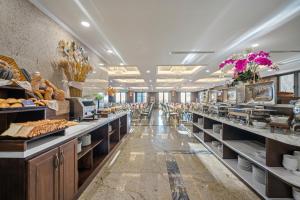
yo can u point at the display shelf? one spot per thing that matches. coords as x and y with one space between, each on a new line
198 125
86 149
247 149
213 134
112 132
113 145
232 165
286 175
22 109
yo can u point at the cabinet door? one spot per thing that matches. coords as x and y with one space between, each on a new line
43 179
68 173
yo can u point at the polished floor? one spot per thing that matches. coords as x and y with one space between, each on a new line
159 162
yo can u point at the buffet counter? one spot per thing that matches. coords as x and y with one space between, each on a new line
62 166
255 155
70 133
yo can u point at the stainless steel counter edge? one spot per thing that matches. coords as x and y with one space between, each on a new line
71 132
284 138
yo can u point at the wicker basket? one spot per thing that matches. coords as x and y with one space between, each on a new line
75 92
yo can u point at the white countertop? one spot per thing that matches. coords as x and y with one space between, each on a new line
70 132
287 138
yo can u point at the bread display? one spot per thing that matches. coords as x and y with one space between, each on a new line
18 103
36 128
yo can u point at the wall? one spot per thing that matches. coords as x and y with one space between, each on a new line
31 38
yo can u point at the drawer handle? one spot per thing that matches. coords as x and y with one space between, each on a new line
56 161
61 157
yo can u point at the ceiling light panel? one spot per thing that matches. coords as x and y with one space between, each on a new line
178 69
211 80
169 80
121 70
130 80
164 88
139 88
96 81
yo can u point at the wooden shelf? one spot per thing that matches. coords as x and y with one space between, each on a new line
22 109
113 145
86 149
214 135
244 175
83 174
112 132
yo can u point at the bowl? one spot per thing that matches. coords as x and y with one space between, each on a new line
217 128
258 174
79 144
260 125
297 155
215 143
296 193
290 162
86 140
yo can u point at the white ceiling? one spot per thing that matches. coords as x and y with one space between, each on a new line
144 32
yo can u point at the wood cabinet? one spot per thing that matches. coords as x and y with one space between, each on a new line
53 175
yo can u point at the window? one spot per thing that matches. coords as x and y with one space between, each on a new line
286 83
185 97
141 97
163 97
120 97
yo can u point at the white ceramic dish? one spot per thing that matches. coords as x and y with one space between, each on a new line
79 149
290 162
215 143
259 125
217 128
86 140
297 155
244 164
296 193
259 174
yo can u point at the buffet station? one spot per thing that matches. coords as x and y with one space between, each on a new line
253 136
43 155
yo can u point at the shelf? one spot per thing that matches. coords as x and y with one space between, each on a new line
199 136
198 125
86 149
22 109
214 135
232 165
285 175
112 132
83 174
113 145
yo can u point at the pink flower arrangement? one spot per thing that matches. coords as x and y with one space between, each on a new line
249 62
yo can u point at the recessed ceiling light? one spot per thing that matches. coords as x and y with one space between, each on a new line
150 81
94 72
101 64
148 71
255 45
190 80
85 24
111 81
207 71
109 51
121 63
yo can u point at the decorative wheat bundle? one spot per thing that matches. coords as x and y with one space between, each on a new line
74 63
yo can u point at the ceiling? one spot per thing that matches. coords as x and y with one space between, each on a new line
142 33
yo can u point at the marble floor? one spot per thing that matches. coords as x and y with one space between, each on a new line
159 162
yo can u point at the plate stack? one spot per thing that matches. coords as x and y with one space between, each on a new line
200 121
258 174
244 164
217 128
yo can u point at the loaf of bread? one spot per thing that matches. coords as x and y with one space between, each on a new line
48 93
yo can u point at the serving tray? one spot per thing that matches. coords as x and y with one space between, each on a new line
19 144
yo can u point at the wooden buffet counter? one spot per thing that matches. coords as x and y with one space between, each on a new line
241 140
52 169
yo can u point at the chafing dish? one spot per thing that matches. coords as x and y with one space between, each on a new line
219 109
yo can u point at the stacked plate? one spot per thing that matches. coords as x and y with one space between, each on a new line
260 155
217 128
258 174
296 193
200 121
244 164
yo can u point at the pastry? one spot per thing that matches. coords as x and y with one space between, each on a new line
59 95
48 93
4 105
16 105
11 100
39 103
49 84
37 93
